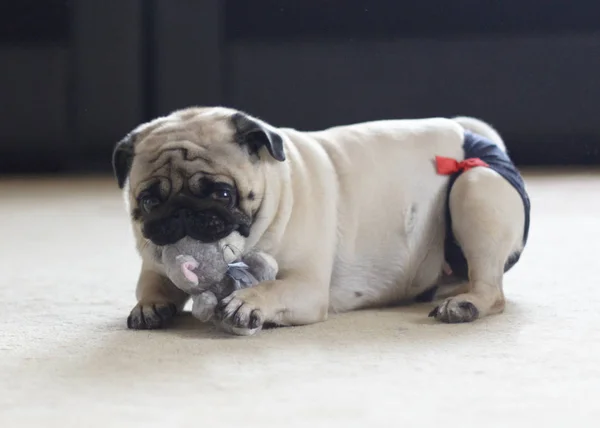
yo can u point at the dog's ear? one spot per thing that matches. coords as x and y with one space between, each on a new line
254 135
122 158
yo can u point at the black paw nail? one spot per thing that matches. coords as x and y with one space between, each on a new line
136 320
255 319
220 312
238 319
471 311
132 322
165 312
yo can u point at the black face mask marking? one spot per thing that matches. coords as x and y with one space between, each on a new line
206 219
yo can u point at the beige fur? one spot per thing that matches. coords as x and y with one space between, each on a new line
354 216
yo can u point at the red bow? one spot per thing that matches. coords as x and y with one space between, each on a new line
448 166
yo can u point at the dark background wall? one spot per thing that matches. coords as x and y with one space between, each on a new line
75 76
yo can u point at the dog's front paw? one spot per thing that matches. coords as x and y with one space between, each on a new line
240 313
455 310
151 316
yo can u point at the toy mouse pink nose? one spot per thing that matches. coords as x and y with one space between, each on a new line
187 269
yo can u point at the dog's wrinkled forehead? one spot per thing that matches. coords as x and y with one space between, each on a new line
214 141
185 143
203 127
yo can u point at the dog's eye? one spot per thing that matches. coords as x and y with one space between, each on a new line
148 203
224 196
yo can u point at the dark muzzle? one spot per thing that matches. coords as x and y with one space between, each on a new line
205 221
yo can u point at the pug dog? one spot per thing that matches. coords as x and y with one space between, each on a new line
357 216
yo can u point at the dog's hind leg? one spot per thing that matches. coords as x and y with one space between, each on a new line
488 221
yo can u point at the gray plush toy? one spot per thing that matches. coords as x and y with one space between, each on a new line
203 271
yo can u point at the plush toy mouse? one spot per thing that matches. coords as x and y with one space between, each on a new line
209 274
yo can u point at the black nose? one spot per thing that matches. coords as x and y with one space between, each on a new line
205 226
165 231
183 214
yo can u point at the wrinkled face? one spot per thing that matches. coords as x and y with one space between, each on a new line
197 172
202 206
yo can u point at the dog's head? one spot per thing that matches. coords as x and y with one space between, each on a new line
199 172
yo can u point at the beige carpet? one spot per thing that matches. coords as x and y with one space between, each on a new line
67 276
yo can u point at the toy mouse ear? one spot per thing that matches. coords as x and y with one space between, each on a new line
187 269
255 134
188 266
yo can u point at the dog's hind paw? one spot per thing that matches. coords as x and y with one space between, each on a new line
455 310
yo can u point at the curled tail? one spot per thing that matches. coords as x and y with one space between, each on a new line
482 128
